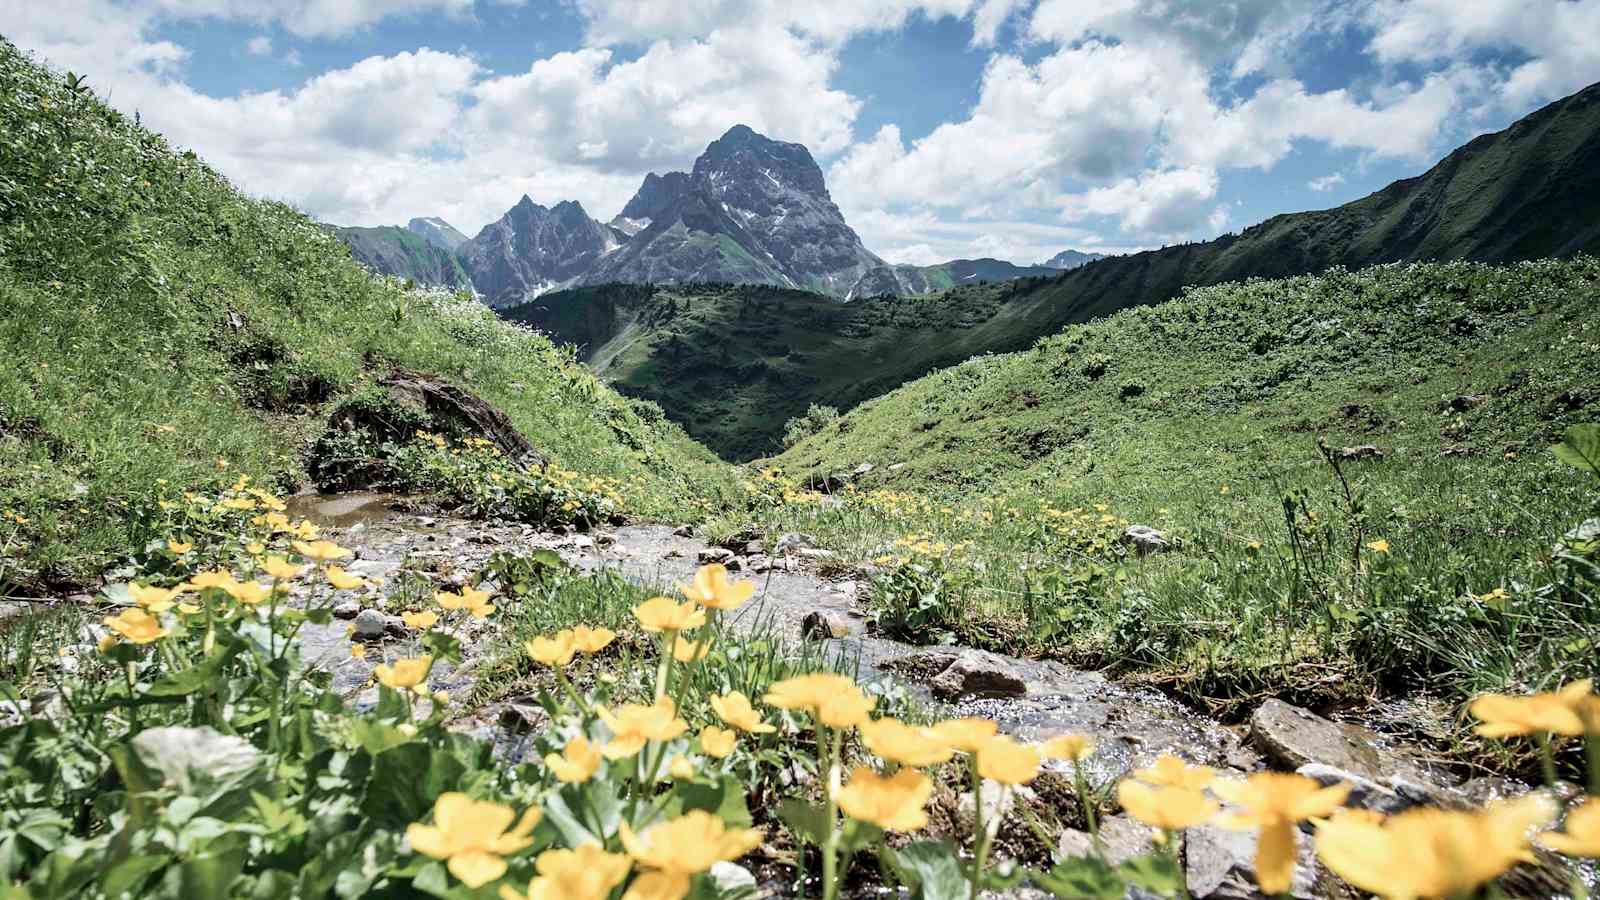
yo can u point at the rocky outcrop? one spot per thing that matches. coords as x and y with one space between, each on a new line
534 249
437 232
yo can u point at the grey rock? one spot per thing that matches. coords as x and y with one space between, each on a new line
1121 838
349 609
1220 865
863 469
522 717
394 626
683 531
895 467
729 876
753 548
370 625
998 802
978 673
1366 793
1292 737
815 553
715 555
793 542
1360 451
823 624
1145 540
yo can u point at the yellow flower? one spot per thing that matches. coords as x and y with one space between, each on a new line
735 709
136 626
680 769
1169 809
1170 771
586 872
255 548
1431 852
342 580
905 744
278 567
473 836
577 763
477 602
1073 747
405 673
555 651
664 614
714 590
106 642
658 886
179 547
321 551
188 609
1506 716
1008 762
421 621
248 592
717 742
966 735
833 699
689 844
689 651
1378 546
634 725
895 802
1582 831
592 640
205 580
153 599
357 651
1276 803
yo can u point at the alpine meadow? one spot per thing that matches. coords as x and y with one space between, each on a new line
964 465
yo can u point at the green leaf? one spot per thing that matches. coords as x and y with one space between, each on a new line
127 876
558 812
1082 878
1157 873
725 800
1581 449
932 869
405 781
807 820
187 681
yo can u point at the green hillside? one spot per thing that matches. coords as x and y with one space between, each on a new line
157 326
1530 191
393 250
1437 391
1228 382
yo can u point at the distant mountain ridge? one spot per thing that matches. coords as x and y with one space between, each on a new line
1527 192
752 210
1071 259
391 250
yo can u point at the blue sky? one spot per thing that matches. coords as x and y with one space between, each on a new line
1010 128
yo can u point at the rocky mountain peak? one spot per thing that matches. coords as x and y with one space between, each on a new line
742 155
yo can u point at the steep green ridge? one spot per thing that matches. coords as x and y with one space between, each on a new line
1530 191
1231 382
733 363
391 250
155 324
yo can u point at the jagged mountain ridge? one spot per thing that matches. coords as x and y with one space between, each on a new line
392 250
751 210
1071 259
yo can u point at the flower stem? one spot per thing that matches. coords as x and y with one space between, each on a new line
1591 752
664 668
1547 760
828 742
1081 786
983 836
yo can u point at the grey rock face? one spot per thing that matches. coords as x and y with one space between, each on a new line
978 673
752 210
1144 539
533 249
1071 259
1220 865
437 232
370 625
1293 737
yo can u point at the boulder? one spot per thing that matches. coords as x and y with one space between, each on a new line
1220 865
793 542
716 555
683 531
1388 796
453 410
349 609
822 624
978 673
1121 838
1292 737
1145 540
370 625
731 878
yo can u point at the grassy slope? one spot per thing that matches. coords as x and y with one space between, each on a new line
391 250
1227 379
154 320
1530 191
1205 417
